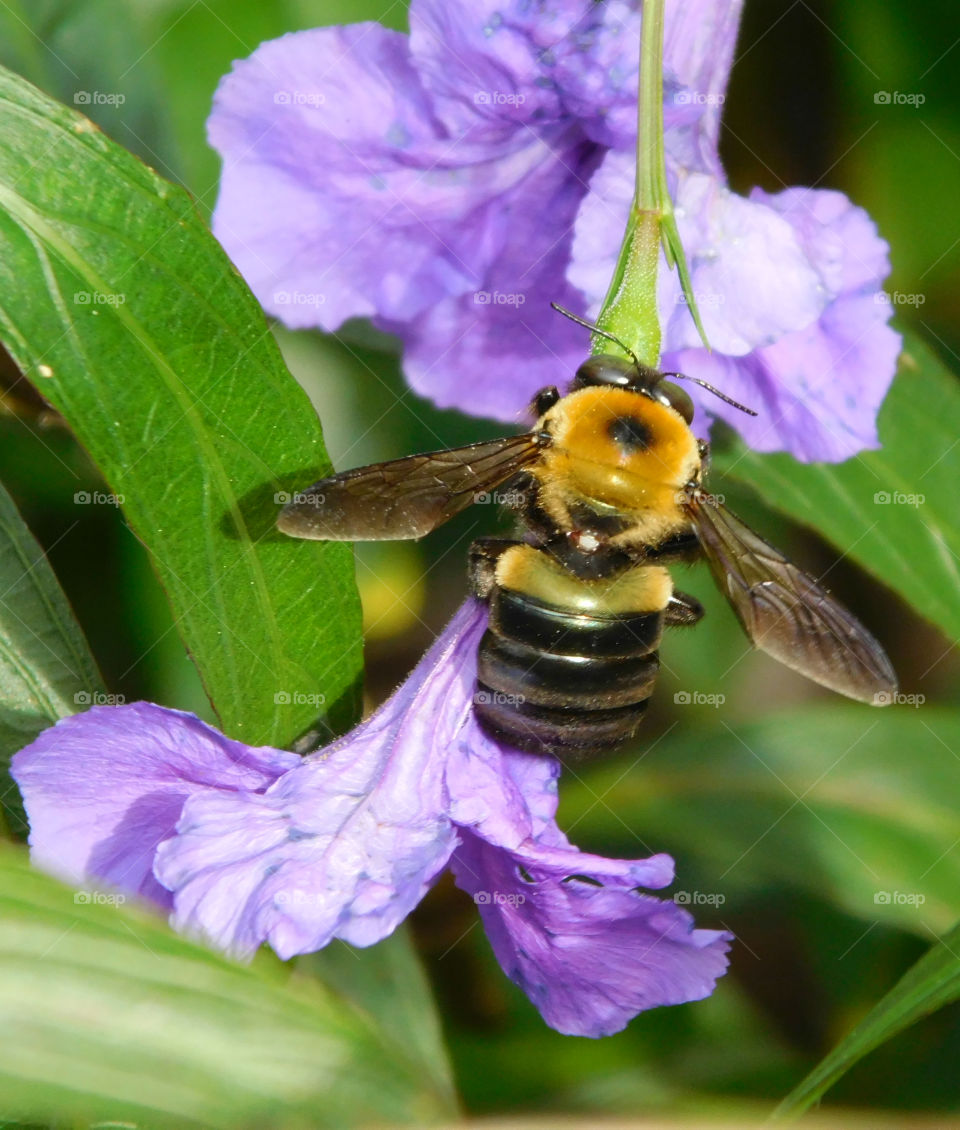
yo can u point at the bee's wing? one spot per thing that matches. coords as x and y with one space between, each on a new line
405 498
787 614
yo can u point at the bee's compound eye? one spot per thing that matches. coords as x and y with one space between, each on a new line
605 369
545 400
677 399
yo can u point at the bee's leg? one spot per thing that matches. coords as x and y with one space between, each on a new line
682 610
482 563
677 549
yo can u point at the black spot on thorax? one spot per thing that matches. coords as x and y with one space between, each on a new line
631 433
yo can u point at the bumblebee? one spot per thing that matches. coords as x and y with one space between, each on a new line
608 489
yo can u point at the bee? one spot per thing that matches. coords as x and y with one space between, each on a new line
608 488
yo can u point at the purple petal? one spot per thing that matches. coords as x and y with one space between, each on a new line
789 290
570 930
479 62
599 228
818 391
535 64
531 65
347 843
341 194
699 38
752 279
751 275
838 238
590 957
363 205
432 183
819 388
490 351
102 789
501 794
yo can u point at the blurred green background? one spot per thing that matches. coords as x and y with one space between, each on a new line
734 793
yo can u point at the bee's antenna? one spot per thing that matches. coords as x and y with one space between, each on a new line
596 329
715 391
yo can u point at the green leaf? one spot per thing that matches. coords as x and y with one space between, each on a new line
119 304
855 805
387 980
105 1013
92 55
893 510
934 981
136 70
46 669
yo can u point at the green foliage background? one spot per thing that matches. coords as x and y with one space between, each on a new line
788 811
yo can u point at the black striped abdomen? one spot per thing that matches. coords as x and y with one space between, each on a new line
561 680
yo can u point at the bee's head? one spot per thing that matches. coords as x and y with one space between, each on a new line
605 370
611 371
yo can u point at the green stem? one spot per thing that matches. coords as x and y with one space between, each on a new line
651 181
629 310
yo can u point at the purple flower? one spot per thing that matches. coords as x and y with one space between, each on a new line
787 286
246 846
449 184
